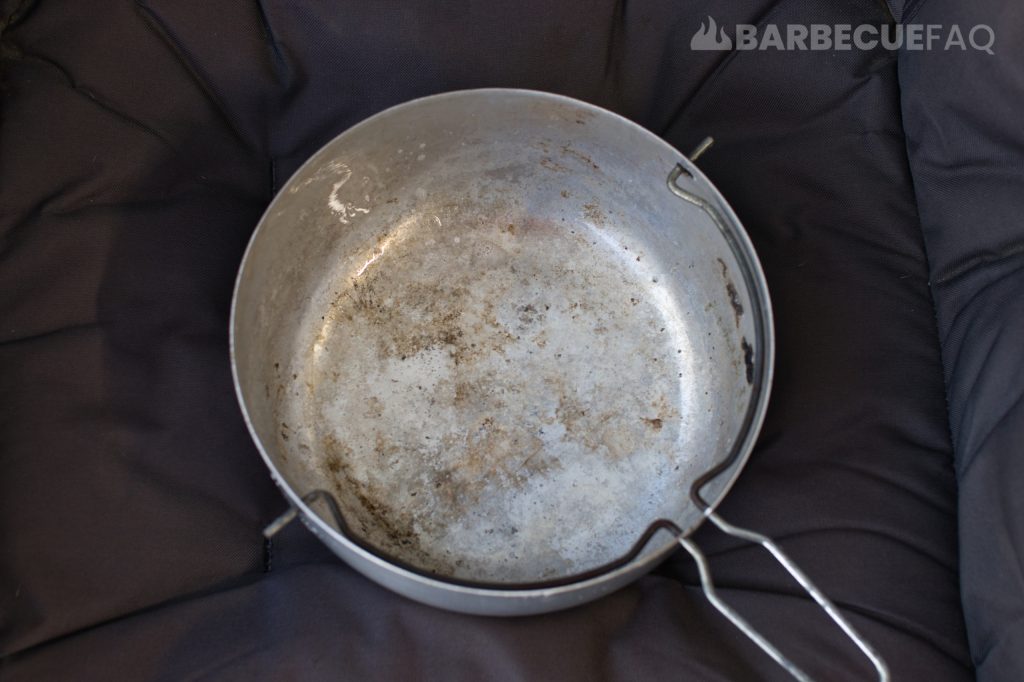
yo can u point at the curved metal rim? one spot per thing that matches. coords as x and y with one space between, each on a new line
759 398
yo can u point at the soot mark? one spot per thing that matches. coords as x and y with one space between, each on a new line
730 289
748 359
376 515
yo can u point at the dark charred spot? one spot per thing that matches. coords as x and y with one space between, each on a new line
748 359
734 301
730 290
529 315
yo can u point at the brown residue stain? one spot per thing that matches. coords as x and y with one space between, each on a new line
510 228
384 305
665 412
385 449
568 150
332 463
565 194
570 413
594 214
374 408
599 432
583 115
367 509
468 393
492 452
552 165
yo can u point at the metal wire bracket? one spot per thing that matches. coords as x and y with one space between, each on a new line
290 514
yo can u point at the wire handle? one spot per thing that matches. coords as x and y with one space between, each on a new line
290 514
805 582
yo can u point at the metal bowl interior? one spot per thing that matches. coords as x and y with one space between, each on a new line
485 325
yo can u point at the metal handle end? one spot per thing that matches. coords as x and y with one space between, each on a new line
699 150
757 538
275 526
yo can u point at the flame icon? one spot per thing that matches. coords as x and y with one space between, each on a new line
710 37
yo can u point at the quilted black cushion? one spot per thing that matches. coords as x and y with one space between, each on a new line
140 143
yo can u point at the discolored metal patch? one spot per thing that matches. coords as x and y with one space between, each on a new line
474 389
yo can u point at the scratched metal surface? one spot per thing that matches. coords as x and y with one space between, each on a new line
490 330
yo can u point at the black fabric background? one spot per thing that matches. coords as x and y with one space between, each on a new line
965 140
141 141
